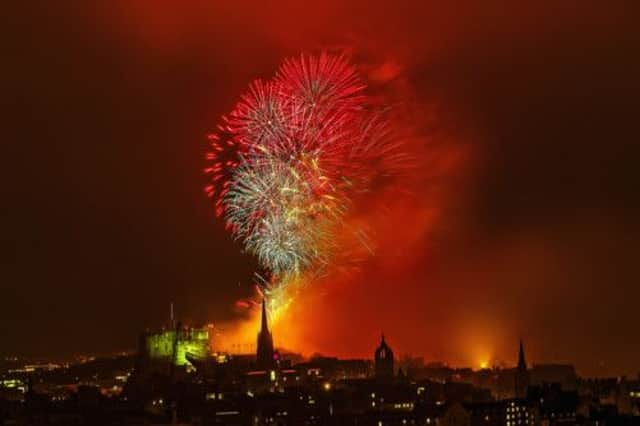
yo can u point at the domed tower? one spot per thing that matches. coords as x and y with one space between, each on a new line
383 358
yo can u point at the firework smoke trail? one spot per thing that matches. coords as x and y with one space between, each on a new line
290 160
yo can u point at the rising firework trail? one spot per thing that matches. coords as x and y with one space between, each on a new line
292 159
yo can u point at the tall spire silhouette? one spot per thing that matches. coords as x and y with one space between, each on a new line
264 355
521 374
522 363
264 325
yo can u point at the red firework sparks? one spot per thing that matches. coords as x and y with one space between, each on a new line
292 158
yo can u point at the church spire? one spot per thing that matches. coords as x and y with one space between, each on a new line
521 375
264 325
265 351
522 363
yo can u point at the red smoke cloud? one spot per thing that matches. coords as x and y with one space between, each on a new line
485 249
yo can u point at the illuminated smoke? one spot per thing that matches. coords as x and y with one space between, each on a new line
290 163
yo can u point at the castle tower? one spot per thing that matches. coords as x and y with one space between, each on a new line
521 375
383 358
264 358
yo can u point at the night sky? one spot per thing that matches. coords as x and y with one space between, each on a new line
531 231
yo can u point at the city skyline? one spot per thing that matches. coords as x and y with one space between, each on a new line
523 226
173 377
218 343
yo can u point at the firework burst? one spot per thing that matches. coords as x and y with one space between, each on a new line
291 159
